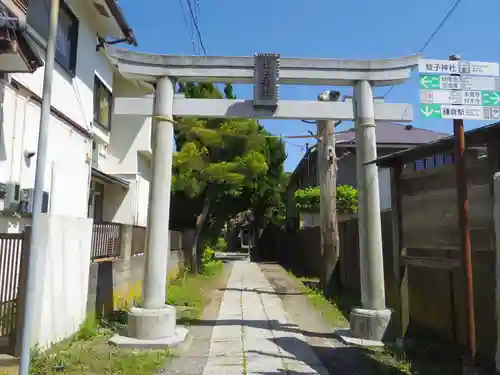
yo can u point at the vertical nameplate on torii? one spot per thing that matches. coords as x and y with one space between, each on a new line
266 80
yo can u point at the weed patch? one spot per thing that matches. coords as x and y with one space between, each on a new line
189 291
389 360
89 353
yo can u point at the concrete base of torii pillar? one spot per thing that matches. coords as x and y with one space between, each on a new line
151 329
153 324
371 328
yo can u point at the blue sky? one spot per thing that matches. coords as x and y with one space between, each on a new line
323 28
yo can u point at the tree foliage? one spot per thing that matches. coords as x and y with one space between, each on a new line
223 155
224 166
308 199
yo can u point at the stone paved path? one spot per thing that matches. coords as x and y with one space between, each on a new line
253 334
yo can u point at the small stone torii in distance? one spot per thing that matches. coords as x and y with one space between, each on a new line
153 324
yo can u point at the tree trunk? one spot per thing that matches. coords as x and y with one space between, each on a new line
195 248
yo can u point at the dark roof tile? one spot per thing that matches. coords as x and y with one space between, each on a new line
392 133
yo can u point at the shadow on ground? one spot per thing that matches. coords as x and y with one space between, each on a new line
276 293
261 324
427 356
340 360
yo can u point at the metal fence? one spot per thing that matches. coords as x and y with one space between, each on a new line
175 240
105 240
138 240
107 237
10 263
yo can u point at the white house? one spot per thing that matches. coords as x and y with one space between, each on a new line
97 164
87 145
122 162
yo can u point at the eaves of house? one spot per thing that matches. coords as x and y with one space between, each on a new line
119 17
17 49
475 139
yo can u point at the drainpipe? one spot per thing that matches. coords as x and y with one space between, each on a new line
89 179
137 190
23 134
51 190
13 142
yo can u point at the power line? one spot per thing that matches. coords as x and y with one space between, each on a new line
197 16
188 25
195 21
428 41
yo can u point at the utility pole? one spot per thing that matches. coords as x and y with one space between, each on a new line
327 172
30 309
468 366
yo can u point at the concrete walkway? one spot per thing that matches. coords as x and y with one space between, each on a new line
253 334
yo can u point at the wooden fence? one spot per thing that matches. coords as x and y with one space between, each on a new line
427 251
11 246
105 240
423 277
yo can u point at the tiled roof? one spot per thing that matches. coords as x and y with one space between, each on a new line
392 133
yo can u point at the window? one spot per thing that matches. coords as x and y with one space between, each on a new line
433 162
67 31
419 165
103 100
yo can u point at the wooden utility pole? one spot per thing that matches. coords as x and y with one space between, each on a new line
465 247
327 172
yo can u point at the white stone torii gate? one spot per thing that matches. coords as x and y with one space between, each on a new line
153 324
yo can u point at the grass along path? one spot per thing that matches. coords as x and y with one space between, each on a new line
394 361
88 352
190 292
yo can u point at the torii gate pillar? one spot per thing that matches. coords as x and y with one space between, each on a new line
153 323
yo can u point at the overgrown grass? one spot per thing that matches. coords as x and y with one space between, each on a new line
382 361
7 314
188 292
89 353
330 309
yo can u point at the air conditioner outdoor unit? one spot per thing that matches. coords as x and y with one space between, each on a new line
12 196
27 197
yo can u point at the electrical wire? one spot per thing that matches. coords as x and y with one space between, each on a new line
431 37
197 16
188 25
195 21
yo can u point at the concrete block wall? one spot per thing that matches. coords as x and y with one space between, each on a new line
62 275
117 283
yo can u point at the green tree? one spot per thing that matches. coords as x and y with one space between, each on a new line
217 162
308 199
265 197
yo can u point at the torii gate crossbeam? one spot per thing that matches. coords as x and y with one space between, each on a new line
153 324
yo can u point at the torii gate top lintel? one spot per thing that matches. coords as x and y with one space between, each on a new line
235 69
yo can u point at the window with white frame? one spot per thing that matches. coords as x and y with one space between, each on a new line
67 31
